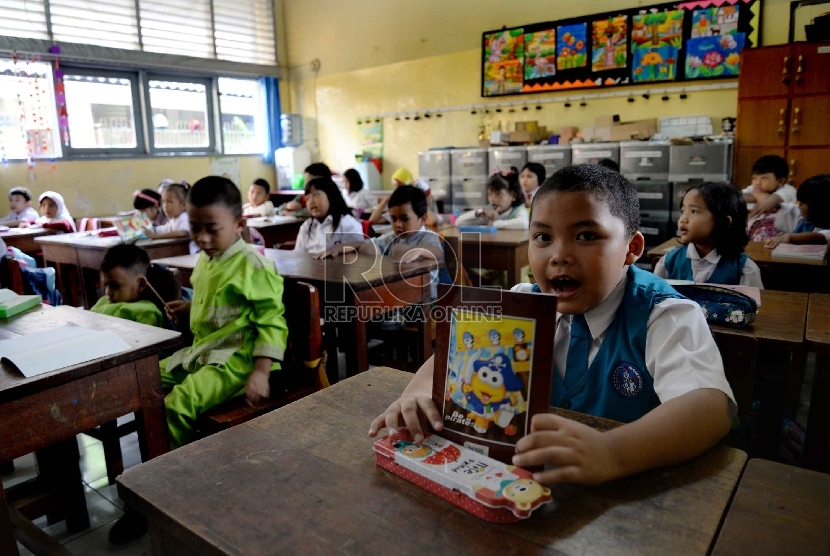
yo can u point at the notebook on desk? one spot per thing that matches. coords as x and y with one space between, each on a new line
131 228
790 251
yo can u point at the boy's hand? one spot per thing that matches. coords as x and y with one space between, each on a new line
581 454
416 411
490 215
765 204
774 242
258 387
293 205
178 310
336 251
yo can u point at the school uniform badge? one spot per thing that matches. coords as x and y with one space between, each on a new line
627 381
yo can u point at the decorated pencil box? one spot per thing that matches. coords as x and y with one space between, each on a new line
487 488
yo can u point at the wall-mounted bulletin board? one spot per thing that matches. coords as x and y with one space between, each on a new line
684 41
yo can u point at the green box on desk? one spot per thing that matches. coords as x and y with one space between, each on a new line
12 304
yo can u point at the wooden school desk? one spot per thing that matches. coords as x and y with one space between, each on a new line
502 250
372 286
802 275
276 229
46 409
24 238
85 250
302 480
817 440
777 509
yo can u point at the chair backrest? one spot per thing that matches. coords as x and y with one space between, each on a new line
452 254
166 281
305 333
86 224
368 230
11 276
739 351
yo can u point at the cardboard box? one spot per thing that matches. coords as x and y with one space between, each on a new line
523 137
499 138
588 133
527 126
639 129
484 143
607 120
569 131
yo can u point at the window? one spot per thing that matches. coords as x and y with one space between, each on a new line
23 18
244 31
241 105
102 108
180 115
111 23
28 125
177 27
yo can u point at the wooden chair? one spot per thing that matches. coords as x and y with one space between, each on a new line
11 276
168 283
739 351
303 369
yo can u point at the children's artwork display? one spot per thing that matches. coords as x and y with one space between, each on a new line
694 40
493 366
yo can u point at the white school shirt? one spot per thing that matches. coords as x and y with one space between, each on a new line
179 224
789 217
316 237
703 267
265 209
786 192
681 354
517 218
26 214
362 199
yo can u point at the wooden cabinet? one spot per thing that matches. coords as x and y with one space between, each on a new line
784 109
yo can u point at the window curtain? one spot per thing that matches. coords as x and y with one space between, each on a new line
272 115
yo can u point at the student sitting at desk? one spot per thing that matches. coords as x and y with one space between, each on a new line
259 201
769 186
148 202
507 205
628 347
331 221
358 199
20 204
401 177
409 239
126 292
297 206
531 178
712 228
173 200
809 221
53 214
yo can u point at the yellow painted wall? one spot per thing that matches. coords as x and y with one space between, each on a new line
105 187
335 101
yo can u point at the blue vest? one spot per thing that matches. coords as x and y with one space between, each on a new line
804 227
617 385
728 271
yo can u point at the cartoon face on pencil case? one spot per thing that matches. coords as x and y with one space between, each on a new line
488 488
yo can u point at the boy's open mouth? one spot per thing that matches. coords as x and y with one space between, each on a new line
565 286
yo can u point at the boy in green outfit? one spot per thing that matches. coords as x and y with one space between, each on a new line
124 277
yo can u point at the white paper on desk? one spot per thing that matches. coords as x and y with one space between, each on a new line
58 348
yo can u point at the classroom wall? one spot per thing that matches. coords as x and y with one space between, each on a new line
393 55
105 187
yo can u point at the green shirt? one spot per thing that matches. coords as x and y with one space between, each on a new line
143 312
237 309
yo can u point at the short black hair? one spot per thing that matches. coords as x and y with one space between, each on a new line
510 182
263 184
815 193
127 256
318 170
537 169
605 185
771 164
22 191
337 204
725 202
141 203
609 163
180 189
216 190
355 181
404 194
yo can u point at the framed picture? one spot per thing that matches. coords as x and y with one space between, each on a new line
493 366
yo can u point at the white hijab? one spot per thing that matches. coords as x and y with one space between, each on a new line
63 213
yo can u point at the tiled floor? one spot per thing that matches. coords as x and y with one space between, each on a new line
102 500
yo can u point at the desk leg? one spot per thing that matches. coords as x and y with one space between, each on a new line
89 283
772 371
425 327
59 466
817 438
795 379
152 419
357 354
7 543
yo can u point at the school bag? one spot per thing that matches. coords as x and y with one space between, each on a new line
720 305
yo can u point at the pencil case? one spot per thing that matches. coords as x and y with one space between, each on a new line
480 229
109 232
721 305
483 486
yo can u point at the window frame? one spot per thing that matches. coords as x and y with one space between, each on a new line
263 114
213 147
138 116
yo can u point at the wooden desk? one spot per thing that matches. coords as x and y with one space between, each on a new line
319 491
276 229
817 440
503 250
362 285
43 410
801 275
85 250
24 238
778 509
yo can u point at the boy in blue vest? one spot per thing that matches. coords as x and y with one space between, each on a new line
628 347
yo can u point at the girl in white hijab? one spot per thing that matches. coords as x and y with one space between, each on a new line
54 213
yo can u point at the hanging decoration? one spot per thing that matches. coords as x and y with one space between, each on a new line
60 96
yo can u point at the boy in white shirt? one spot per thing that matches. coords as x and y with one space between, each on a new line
769 186
628 346
259 201
20 203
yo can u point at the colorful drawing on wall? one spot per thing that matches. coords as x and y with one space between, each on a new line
714 56
503 61
540 54
610 49
488 376
656 39
572 46
715 21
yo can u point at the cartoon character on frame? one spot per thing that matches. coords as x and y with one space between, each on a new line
491 394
